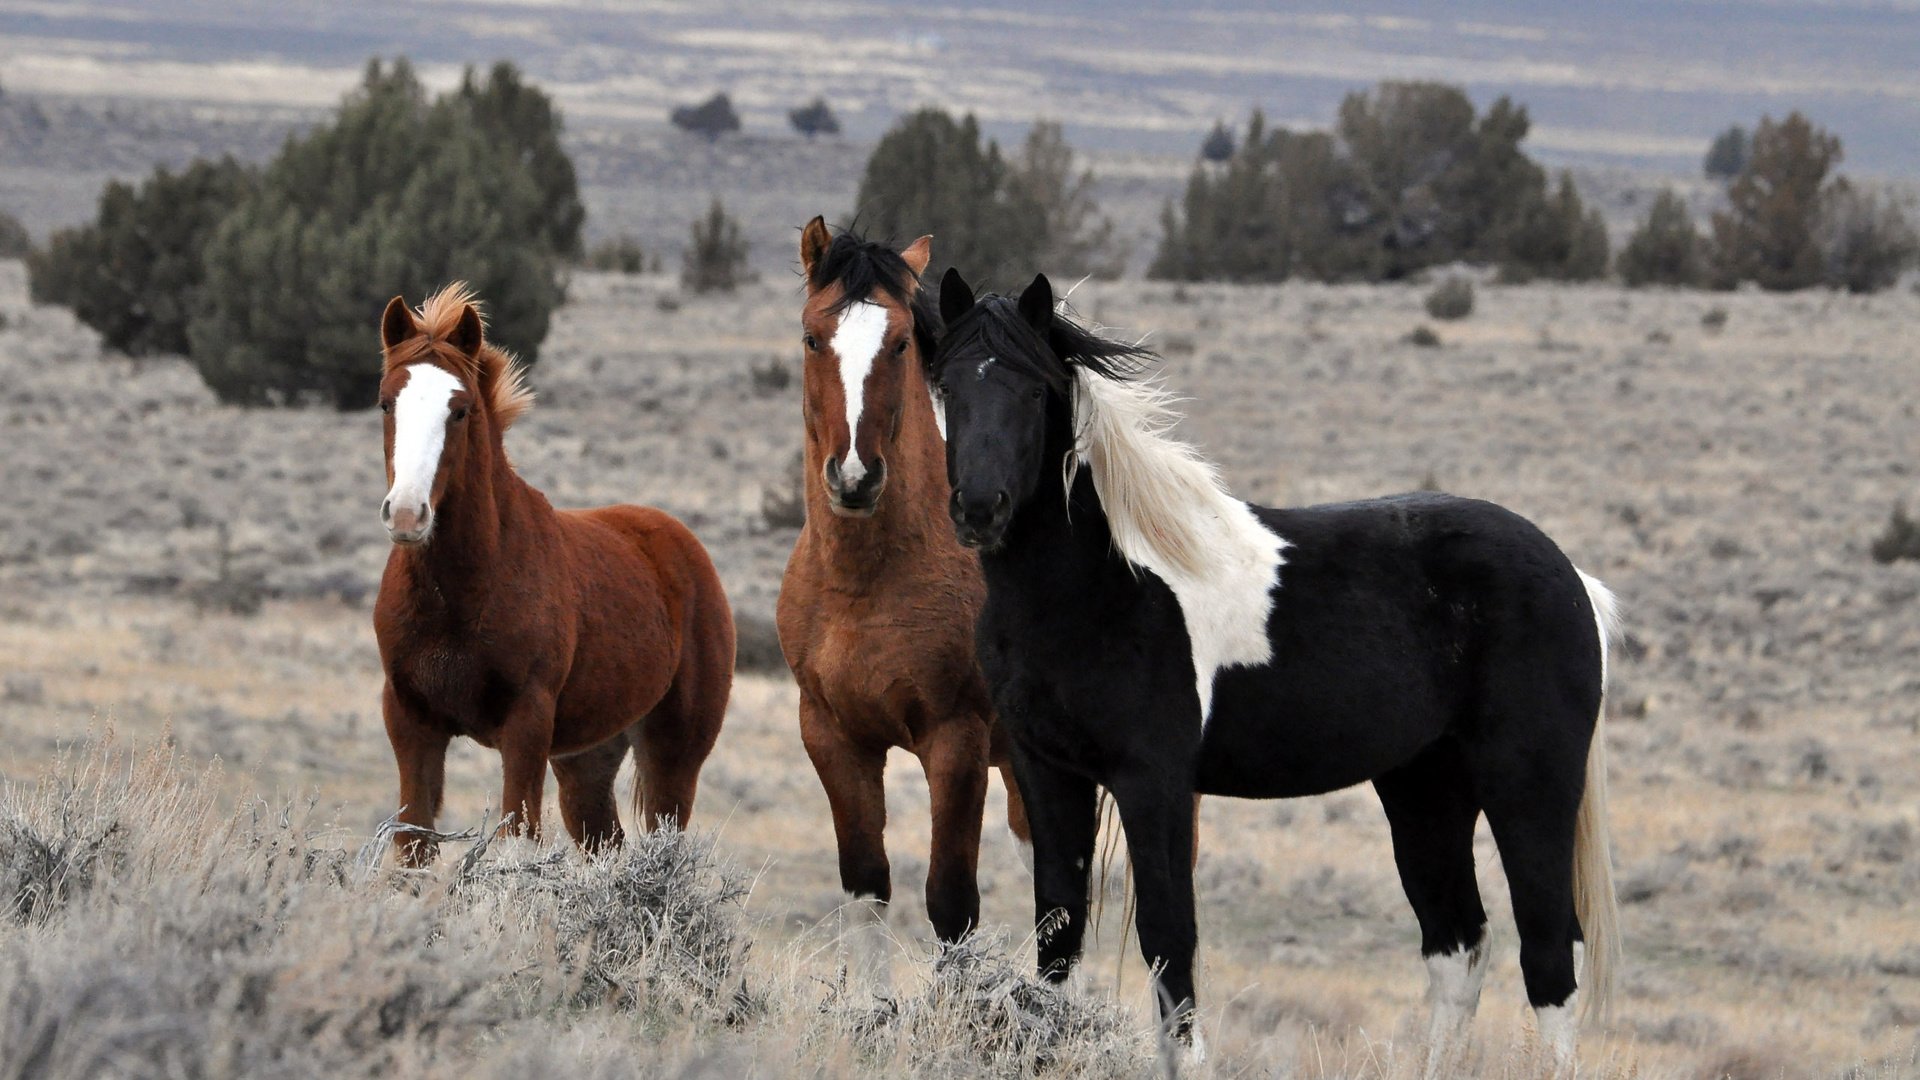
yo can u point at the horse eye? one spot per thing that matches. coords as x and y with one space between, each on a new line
1037 393
386 407
809 342
460 413
900 349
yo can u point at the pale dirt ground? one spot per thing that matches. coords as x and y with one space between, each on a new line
1766 712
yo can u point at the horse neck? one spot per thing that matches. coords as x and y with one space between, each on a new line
481 526
912 513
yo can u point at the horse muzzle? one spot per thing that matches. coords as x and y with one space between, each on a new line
407 525
980 521
853 496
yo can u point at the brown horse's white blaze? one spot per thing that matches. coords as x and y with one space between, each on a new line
418 421
877 608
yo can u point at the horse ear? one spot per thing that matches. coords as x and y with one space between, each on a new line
468 335
813 244
1036 304
956 298
397 324
917 254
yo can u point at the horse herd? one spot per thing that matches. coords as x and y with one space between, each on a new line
1009 562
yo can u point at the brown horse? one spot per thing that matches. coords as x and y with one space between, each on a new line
877 610
551 636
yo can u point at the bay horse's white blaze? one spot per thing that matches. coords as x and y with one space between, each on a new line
1170 513
857 341
419 435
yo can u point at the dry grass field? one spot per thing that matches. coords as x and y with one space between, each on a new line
171 568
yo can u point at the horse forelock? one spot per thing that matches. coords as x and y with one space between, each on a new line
859 268
497 373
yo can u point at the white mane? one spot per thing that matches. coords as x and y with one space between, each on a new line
1165 504
1170 513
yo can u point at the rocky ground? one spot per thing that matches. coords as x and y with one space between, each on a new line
168 564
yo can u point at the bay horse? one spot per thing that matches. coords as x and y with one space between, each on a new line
877 607
1147 632
566 637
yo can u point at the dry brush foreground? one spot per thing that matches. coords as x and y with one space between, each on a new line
172 567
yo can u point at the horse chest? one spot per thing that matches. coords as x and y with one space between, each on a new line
457 688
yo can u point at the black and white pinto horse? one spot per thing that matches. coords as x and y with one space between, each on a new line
1146 632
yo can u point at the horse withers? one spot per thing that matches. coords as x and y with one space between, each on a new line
1147 632
568 637
877 608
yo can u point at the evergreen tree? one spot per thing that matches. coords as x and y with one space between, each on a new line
521 118
1077 239
135 272
814 118
1218 146
1727 156
1556 237
934 174
1665 248
1767 232
395 196
1865 239
713 117
716 260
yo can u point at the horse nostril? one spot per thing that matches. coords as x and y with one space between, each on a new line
1000 500
386 510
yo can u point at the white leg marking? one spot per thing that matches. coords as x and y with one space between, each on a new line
1196 1054
1558 1024
420 433
1454 980
1025 850
857 341
869 947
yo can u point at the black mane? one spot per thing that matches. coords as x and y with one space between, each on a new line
861 266
994 325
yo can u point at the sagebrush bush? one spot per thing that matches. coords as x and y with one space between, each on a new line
621 254
1900 539
1451 299
1865 239
194 941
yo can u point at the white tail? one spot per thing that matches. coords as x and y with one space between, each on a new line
1594 903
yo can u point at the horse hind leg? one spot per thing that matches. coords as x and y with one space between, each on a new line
587 804
1431 812
1533 815
1017 823
671 744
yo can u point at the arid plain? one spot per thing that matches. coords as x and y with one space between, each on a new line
172 567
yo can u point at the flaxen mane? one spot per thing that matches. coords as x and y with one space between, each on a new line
502 379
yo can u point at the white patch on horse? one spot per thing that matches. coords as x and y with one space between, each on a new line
1558 1024
868 945
1024 848
857 341
420 433
1454 980
939 412
1170 513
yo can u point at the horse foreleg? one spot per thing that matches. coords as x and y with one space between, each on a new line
1158 819
955 759
525 741
1062 816
852 775
420 751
